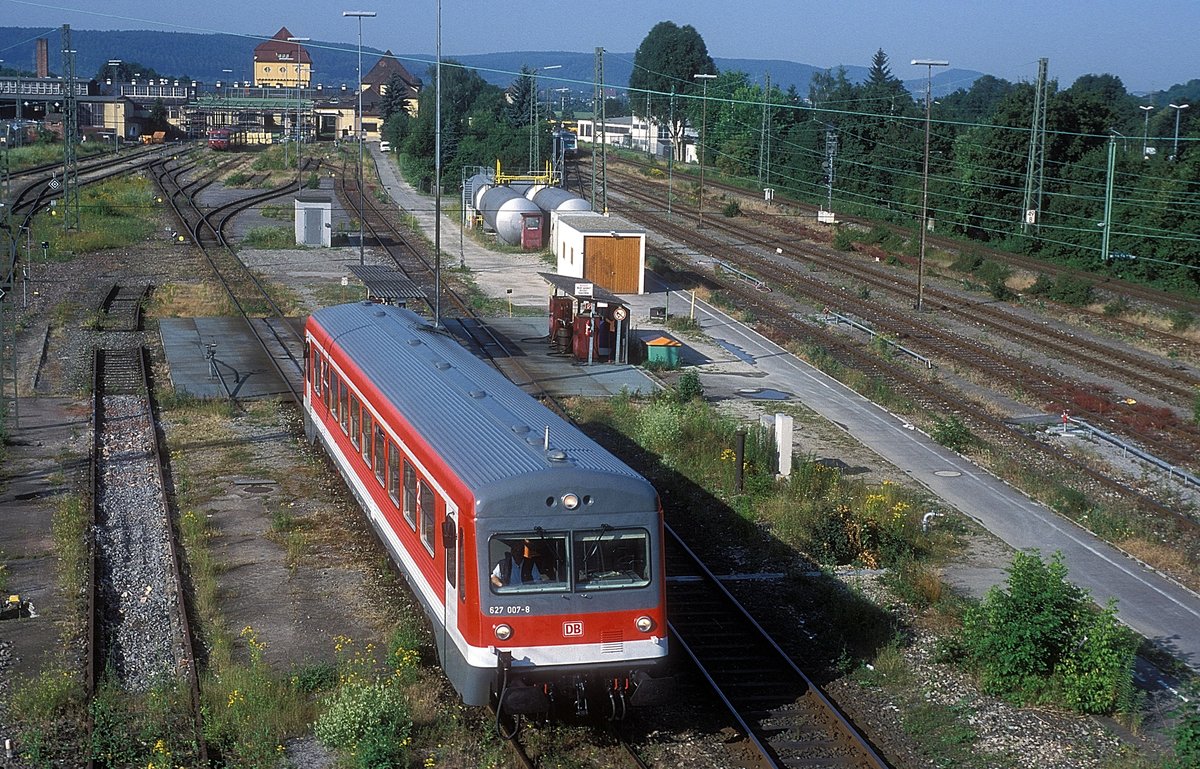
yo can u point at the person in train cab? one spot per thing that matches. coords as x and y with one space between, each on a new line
516 567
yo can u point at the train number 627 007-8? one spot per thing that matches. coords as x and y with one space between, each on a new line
509 609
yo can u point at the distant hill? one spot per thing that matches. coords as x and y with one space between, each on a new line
203 57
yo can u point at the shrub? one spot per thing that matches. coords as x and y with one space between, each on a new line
732 209
843 240
1039 639
1068 289
689 388
1182 320
952 433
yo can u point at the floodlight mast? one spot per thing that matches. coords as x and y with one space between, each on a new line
358 137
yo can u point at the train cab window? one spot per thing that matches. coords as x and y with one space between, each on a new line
410 495
366 437
344 406
529 562
393 480
355 420
380 456
428 514
611 558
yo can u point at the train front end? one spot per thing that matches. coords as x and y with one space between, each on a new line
572 603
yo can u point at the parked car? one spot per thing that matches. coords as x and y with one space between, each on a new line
385 146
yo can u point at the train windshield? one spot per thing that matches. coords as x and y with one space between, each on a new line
546 562
531 562
611 558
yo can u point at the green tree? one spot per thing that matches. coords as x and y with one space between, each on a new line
665 61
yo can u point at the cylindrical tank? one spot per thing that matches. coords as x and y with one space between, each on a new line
551 199
502 208
479 184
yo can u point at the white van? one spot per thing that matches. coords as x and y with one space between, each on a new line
385 146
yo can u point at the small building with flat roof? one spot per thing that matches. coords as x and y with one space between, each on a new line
602 249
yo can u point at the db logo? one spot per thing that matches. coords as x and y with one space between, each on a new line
571 629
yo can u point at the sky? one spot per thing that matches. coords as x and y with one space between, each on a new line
1150 46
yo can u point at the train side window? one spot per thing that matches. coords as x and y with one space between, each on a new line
344 406
334 384
355 420
428 515
410 495
366 437
380 456
326 373
316 375
393 483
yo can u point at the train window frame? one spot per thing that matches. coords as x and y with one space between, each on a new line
610 576
367 433
355 421
315 382
555 560
410 494
335 386
344 407
393 473
379 452
327 372
427 513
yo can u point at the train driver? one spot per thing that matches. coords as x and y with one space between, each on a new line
516 567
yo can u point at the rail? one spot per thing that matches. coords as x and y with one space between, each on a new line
1126 447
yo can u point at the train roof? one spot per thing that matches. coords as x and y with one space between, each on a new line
488 429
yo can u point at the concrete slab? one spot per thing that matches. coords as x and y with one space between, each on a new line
240 367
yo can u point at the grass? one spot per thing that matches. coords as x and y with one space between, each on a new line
270 237
113 214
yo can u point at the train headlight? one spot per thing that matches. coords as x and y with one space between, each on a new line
570 501
503 632
644 624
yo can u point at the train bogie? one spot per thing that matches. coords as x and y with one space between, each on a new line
536 555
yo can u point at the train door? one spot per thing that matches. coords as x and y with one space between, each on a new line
452 569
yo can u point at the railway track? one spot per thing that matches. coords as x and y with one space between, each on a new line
783 714
138 630
789 326
248 295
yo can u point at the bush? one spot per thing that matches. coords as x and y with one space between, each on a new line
952 433
843 240
689 388
1182 320
732 209
1040 640
1067 289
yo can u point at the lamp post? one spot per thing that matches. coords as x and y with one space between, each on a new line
360 15
299 107
703 135
1178 108
1146 131
929 64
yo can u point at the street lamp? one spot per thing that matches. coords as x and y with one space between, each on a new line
1178 108
1146 131
929 64
703 146
360 15
299 104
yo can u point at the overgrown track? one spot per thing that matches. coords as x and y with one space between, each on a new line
138 628
1160 431
410 254
1113 285
783 714
780 320
248 295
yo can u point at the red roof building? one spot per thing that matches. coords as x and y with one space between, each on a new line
282 63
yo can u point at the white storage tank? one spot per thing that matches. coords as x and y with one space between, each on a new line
503 210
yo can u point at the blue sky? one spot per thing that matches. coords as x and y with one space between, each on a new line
1149 46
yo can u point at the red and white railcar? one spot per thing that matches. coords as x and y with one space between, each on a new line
455 467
